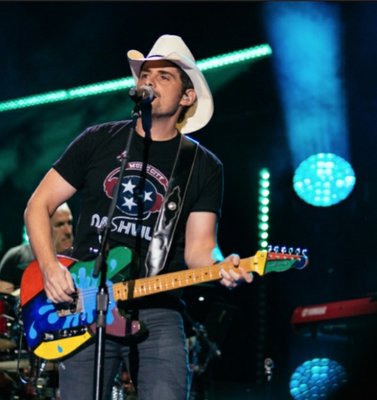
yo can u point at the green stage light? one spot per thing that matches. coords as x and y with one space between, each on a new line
116 85
68 94
324 179
264 209
264 218
263 200
263 226
235 57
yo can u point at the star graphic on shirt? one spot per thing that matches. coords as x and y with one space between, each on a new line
128 186
138 197
148 196
129 202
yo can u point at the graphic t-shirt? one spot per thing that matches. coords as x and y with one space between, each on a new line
91 164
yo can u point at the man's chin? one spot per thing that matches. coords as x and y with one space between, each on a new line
64 247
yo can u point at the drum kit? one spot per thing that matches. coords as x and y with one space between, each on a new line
23 376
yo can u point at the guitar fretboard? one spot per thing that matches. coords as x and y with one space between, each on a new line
175 280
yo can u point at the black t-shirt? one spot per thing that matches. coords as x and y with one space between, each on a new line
91 164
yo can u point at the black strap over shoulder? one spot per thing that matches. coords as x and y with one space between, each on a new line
171 207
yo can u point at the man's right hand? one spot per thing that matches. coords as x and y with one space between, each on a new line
58 283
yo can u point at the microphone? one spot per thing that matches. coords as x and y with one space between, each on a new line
143 94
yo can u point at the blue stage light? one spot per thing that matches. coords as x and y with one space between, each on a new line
308 55
324 179
316 379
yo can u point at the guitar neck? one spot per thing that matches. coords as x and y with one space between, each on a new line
175 280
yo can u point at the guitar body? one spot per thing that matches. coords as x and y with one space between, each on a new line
53 332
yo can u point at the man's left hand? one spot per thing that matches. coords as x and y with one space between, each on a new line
234 277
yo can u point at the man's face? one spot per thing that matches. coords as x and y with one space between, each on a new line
166 82
62 233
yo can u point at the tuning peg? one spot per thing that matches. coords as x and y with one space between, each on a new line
276 249
303 261
298 251
283 249
290 250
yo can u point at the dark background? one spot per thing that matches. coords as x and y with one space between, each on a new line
48 46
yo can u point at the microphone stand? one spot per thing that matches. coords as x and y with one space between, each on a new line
100 268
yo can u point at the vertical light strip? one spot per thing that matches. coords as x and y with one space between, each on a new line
263 207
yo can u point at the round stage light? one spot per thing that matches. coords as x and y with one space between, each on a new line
324 179
316 379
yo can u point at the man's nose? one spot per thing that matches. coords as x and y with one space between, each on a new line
67 227
149 81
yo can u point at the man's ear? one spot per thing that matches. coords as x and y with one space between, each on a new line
188 98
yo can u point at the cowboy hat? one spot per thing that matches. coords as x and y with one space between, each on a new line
172 48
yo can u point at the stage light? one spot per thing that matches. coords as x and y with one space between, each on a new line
324 179
316 379
235 57
307 41
263 214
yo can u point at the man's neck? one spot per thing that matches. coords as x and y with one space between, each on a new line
159 131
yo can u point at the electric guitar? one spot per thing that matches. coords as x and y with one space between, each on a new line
53 331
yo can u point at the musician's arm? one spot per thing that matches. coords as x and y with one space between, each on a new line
52 191
201 248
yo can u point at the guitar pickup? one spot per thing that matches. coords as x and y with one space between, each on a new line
68 308
64 333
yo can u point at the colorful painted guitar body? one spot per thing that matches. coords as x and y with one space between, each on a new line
54 331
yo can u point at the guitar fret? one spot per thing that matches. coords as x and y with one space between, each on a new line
162 283
175 280
179 279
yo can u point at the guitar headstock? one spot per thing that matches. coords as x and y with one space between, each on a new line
279 259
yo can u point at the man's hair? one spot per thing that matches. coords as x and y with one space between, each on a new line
63 207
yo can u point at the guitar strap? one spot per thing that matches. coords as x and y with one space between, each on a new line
171 208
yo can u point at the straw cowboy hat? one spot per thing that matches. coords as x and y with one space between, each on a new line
173 48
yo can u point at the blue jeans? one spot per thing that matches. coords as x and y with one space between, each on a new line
163 369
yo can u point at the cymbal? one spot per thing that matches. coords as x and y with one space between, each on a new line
6 287
11 365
